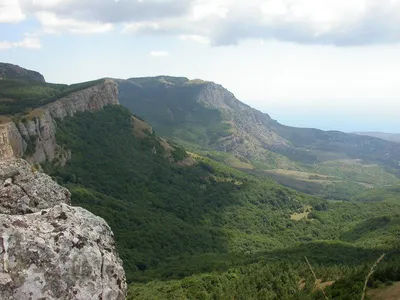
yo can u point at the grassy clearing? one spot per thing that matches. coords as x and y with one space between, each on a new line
391 292
239 164
305 176
302 215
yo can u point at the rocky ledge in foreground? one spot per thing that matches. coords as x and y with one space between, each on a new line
48 249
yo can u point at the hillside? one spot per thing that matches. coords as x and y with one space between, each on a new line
206 117
188 225
394 137
22 91
10 71
183 228
206 222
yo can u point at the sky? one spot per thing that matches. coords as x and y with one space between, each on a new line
329 64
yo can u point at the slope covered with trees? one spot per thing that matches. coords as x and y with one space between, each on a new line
209 224
206 117
208 231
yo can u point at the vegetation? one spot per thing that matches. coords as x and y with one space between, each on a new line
209 231
221 127
18 96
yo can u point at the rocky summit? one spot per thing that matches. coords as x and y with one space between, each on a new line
49 249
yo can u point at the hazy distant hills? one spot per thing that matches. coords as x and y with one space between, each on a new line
394 137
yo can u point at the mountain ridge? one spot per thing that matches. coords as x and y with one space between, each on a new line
393 137
8 71
33 135
218 227
205 116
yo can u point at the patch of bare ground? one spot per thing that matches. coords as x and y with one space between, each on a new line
391 292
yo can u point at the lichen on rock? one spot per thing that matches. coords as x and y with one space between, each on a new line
49 249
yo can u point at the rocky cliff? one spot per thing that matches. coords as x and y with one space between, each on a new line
251 126
48 249
16 72
34 138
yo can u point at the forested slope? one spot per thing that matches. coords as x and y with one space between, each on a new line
202 230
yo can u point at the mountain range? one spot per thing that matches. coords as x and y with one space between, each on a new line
189 180
203 115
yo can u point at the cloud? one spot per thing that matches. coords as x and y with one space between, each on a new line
10 11
221 22
29 42
159 53
325 22
109 11
195 37
51 23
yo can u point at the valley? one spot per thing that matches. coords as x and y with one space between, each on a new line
209 198
203 116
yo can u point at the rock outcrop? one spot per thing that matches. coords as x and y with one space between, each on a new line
16 72
48 249
35 137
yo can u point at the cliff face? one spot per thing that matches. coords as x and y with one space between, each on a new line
35 137
48 249
16 72
251 126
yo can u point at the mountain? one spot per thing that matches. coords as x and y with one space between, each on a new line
190 220
30 133
394 137
204 116
10 71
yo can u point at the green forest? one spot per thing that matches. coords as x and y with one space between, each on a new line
209 231
19 96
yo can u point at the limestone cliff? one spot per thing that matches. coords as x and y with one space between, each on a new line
48 249
34 137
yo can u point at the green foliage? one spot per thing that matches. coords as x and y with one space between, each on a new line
19 96
173 111
210 231
323 144
173 107
378 195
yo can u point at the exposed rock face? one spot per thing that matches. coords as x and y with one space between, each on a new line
16 72
37 135
25 191
11 142
252 127
57 252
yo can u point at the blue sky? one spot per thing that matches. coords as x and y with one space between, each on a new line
331 64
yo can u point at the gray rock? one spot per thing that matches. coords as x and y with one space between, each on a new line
22 190
58 252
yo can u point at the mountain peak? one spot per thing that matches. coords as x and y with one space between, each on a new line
16 72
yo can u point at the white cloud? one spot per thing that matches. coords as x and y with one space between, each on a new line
10 11
159 53
136 27
195 37
53 24
205 9
29 42
221 22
